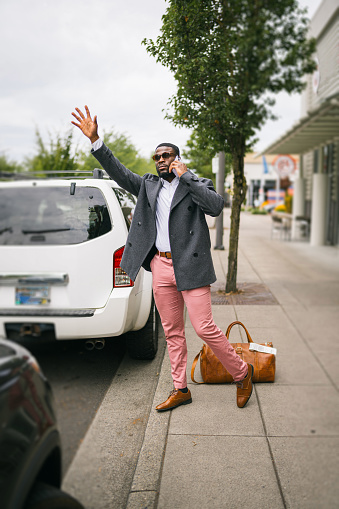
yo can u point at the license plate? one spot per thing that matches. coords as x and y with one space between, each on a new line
32 295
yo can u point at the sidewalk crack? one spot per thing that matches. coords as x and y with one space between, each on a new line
275 468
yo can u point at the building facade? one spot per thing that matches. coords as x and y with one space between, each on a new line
264 180
316 136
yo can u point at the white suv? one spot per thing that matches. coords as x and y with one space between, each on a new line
61 243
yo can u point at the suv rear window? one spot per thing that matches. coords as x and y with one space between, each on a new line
51 215
127 203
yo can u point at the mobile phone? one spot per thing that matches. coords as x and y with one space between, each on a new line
177 158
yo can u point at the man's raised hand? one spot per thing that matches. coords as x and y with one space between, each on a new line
86 124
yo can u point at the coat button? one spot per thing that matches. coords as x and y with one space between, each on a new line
130 244
190 208
195 255
191 232
139 223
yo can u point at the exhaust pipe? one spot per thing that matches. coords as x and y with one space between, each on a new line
89 344
99 344
30 329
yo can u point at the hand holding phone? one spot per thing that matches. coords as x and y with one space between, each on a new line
172 168
178 169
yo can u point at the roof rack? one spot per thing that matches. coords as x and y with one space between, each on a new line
97 173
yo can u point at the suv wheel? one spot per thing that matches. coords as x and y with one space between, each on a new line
143 344
45 496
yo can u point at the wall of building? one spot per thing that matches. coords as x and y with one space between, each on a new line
322 85
325 29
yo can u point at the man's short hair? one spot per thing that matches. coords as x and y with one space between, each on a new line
174 147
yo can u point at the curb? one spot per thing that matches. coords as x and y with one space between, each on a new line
147 477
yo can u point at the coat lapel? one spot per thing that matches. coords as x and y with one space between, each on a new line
179 194
152 187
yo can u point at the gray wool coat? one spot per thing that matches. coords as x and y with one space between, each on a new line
188 230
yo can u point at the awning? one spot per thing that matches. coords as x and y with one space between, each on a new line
320 127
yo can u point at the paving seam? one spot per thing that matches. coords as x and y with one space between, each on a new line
265 431
275 468
260 411
309 347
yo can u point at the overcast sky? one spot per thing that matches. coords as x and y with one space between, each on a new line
67 53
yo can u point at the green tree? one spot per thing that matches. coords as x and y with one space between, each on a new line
57 159
8 168
199 156
229 58
124 150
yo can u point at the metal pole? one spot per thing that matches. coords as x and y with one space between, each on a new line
277 190
219 222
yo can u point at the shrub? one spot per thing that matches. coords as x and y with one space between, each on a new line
280 208
261 212
288 204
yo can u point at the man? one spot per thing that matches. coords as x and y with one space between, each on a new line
169 236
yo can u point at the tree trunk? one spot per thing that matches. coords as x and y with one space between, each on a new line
219 222
239 194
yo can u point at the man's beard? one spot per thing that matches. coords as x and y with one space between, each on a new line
164 173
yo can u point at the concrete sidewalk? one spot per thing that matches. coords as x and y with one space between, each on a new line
282 449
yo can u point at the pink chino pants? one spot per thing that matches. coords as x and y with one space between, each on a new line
170 303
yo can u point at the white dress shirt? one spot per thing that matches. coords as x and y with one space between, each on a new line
97 144
163 208
164 200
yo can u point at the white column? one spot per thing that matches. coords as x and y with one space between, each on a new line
298 207
319 209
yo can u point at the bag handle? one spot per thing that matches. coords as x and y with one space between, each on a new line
193 368
249 339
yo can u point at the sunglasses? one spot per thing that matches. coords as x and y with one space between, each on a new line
164 155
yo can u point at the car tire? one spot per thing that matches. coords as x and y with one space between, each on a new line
143 344
45 496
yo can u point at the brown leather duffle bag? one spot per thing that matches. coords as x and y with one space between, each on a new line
213 372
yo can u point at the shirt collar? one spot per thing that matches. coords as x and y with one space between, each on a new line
165 183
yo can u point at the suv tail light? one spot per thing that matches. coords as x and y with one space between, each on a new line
120 278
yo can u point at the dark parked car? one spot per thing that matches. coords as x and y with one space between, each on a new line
30 449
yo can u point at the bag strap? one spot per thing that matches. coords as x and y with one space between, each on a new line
193 368
249 339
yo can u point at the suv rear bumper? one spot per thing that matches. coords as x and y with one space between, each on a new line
47 312
116 318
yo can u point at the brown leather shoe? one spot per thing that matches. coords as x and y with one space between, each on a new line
176 398
244 388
